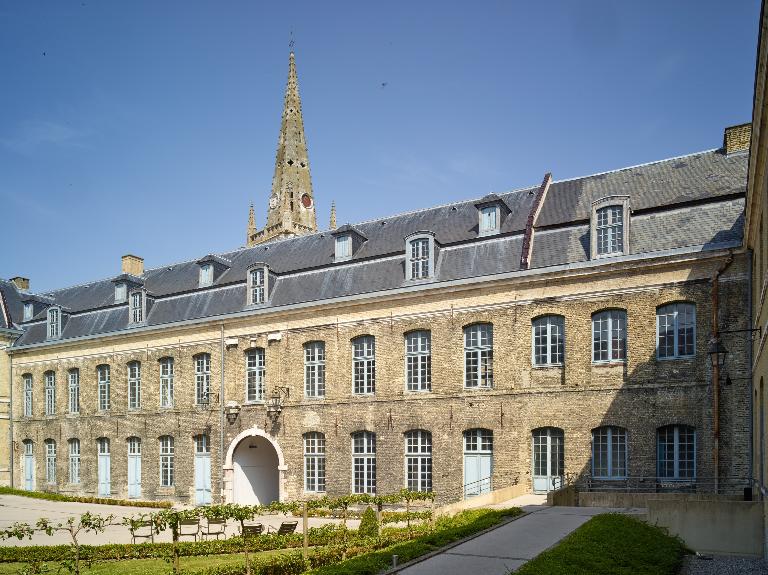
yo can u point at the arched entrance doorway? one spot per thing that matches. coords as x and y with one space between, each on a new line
254 469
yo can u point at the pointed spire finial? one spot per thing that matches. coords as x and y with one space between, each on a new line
333 215
251 226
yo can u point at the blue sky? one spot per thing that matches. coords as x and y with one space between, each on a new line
148 127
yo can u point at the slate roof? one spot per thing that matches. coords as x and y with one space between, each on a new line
11 308
695 200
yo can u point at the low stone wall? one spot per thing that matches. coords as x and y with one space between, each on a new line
624 499
491 498
565 496
714 526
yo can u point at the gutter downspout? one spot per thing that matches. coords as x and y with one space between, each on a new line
716 374
11 455
221 420
752 386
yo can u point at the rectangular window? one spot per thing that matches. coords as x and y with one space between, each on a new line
50 461
202 379
53 322
676 452
121 292
610 230
314 462
314 369
364 365
364 462
478 355
27 395
343 248
418 361
255 375
50 393
609 336
419 260
166 461
74 391
676 331
102 373
418 460
137 307
257 286
489 219
134 385
74 461
206 275
166 382
28 311
548 340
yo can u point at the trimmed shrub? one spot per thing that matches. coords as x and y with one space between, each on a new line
50 496
369 525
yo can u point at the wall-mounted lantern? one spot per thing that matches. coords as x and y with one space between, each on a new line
232 411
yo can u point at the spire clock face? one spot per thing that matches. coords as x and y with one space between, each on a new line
306 201
273 202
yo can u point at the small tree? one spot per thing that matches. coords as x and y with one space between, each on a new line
172 518
369 525
242 513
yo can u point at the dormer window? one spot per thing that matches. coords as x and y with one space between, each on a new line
28 310
489 220
343 247
121 293
610 219
206 275
257 285
54 322
420 256
137 307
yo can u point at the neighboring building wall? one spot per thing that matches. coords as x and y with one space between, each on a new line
640 395
5 388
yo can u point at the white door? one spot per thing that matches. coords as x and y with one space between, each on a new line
104 467
477 474
548 460
29 467
202 471
134 468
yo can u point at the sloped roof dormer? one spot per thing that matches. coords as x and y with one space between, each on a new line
492 210
212 267
347 241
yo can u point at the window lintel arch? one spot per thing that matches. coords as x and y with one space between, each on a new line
362 335
416 330
547 314
676 302
164 358
604 309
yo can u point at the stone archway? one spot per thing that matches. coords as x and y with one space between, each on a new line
254 469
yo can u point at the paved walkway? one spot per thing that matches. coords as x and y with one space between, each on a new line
506 548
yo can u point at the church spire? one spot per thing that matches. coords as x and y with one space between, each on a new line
333 215
251 225
291 208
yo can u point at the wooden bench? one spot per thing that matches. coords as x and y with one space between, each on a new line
286 528
214 527
142 530
189 528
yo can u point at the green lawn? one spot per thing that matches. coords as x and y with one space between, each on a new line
150 566
611 544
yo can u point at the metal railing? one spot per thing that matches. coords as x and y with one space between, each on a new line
653 484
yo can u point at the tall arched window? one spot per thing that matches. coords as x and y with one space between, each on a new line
134 385
50 393
50 461
364 365
610 230
478 355
202 378
418 361
609 452
364 462
676 331
74 461
676 452
609 336
314 369
418 460
548 340
255 374
314 462
74 390
478 461
102 374
167 455
27 380
166 382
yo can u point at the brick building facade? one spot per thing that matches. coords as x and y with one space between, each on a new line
568 323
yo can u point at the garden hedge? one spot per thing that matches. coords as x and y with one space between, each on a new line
50 496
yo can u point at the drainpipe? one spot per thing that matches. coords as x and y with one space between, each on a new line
750 454
221 419
11 455
716 373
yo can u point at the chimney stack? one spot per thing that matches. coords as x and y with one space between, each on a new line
21 283
133 265
737 138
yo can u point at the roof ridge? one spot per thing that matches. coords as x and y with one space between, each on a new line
636 166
